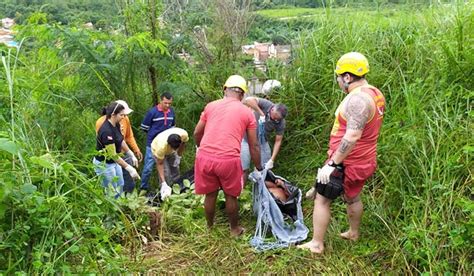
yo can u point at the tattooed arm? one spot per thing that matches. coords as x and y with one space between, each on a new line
357 111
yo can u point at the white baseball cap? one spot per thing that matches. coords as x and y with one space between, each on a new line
127 109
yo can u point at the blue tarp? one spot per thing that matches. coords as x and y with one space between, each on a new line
270 217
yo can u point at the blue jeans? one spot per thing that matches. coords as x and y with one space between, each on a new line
265 154
129 183
112 177
149 164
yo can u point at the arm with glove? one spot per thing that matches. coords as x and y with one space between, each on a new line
131 170
357 112
276 149
165 189
179 155
130 139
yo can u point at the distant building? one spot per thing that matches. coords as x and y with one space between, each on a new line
6 34
263 51
8 23
248 49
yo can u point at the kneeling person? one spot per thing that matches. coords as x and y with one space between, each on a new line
167 148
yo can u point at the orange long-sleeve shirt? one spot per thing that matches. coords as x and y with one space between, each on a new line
125 128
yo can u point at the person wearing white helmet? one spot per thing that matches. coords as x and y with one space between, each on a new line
352 150
109 143
133 155
270 85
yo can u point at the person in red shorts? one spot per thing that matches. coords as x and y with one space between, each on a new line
218 135
352 148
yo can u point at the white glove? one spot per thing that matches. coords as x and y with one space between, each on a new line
165 190
269 165
133 173
130 154
177 160
257 174
261 120
324 173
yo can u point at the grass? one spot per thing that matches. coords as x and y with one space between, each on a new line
203 251
418 206
290 13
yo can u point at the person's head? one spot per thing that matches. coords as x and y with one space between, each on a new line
278 112
351 67
127 110
174 140
115 111
235 86
166 99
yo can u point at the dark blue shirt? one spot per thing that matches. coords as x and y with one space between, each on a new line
156 121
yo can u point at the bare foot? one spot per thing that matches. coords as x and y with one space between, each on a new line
311 193
237 232
350 236
313 246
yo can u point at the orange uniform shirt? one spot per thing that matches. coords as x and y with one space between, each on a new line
365 150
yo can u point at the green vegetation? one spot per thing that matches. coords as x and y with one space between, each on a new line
419 210
291 12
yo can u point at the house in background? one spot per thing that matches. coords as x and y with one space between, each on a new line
6 32
8 23
263 51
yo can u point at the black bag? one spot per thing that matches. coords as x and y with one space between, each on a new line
335 187
188 175
290 207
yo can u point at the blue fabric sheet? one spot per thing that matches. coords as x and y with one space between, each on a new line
270 217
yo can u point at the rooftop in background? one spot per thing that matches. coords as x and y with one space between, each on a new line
263 51
6 34
8 23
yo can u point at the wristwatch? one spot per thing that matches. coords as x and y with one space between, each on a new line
333 164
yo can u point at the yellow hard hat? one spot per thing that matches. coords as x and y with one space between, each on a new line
354 63
236 81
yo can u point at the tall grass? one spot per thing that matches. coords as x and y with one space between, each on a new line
421 194
54 217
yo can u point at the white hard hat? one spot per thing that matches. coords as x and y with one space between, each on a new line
269 85
127 109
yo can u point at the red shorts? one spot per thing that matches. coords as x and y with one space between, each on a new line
355 177
212 173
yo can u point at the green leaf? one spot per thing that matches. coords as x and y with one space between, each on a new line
8 146
68 234
28 188
187 183
468 148
3 208
74 248
176 189
45 161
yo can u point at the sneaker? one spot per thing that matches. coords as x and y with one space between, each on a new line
311 194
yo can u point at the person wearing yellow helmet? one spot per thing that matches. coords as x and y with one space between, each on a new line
236 81
218 136
352 150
